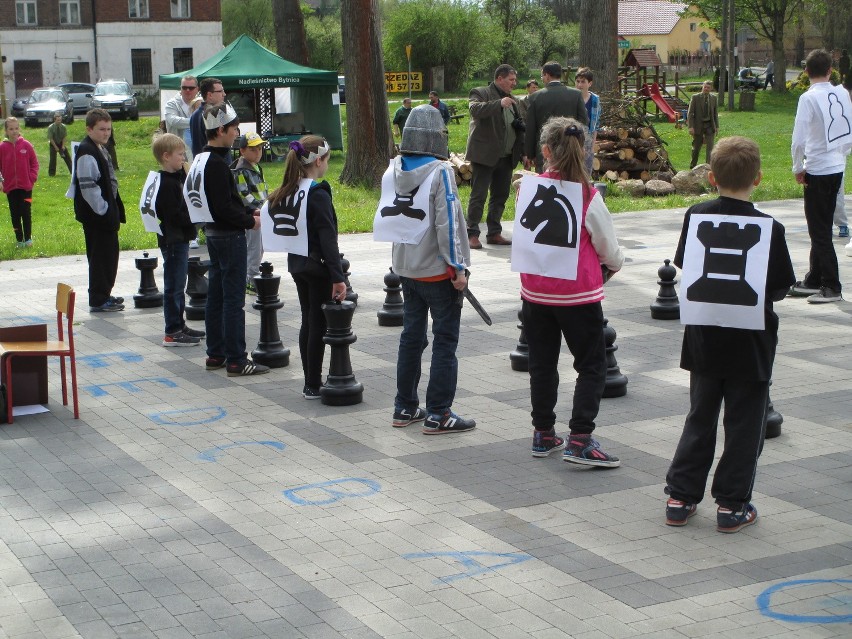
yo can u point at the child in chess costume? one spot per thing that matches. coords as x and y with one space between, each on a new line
177 231
735 265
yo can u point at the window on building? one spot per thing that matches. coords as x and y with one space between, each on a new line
180 8
137 8
69 11
183 59
140 64
25 13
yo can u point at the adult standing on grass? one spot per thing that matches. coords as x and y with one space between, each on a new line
18 173
494 149
98 207
822 138
702 118
401 115
179 108
56 135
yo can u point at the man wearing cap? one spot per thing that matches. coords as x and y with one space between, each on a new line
225 316
252 188
420 212
178 109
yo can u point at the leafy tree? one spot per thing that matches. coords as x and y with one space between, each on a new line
250 17
325 44
290 31
517 20
559 42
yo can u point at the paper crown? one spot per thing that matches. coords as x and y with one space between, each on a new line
220 117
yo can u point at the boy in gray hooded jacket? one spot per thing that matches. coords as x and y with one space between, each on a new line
432 271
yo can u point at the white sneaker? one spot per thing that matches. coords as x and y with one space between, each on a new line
193 244
825 296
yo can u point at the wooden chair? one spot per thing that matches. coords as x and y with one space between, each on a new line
62 348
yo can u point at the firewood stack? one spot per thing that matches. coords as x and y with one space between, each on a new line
462 167
627 146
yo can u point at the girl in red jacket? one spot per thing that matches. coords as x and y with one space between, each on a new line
555 308
18 174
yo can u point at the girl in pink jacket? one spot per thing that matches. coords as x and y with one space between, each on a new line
18 174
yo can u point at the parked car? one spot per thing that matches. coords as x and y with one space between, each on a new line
47 102
81 94
117 98
19 106
341 88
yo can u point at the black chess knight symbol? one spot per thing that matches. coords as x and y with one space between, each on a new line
559 219
193 189
726 250
285 216
839 126
149 197
404 205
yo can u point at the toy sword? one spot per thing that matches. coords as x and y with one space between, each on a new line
470 297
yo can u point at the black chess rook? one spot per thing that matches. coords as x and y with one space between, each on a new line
270 351
774 419
340 388
667 305
520 357
391 313
196 288
616 382
149 295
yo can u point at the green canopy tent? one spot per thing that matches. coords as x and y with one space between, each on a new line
246 65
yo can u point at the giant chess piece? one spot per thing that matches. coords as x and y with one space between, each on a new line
351 296
196 288
391 313
616 383
667 306
341 388
774 419
149 295
520 357
270 351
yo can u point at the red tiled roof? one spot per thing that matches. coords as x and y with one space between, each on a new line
648 17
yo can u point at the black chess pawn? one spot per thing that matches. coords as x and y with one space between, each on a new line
351 296
270 351
520 357
196 288
340 388
616 383
149 295
391 313
774 419
667 305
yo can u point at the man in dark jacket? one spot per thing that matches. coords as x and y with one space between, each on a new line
212 93
494 147
225 317
98 207
554 100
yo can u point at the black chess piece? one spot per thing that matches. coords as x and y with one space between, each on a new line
149 295
774 419
270 351
616 383
391 313
340 388
520 357
351 296
667 305
196 288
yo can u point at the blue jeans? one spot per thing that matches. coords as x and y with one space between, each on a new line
225 319
174 282
444 303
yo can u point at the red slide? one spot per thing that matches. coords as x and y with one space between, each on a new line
653 91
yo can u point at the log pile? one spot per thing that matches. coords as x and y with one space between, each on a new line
462 167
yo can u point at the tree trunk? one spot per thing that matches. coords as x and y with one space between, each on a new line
599 42
780 58
290 31
369 143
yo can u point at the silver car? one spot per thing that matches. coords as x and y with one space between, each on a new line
80 93
47 102
117 98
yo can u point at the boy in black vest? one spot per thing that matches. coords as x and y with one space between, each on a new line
98 207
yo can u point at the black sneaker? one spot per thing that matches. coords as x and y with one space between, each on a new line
107 307
727 521
309 392
246 368
546 442
117 300
449 422
800 289
215 363
405 417
180 339
584 449
186 330
678 512
824 296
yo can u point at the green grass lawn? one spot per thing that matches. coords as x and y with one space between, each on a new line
56 232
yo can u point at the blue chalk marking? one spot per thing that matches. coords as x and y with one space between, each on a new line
25 319
764 602
100 360
212 454
472 566
131 386
207 415
372 487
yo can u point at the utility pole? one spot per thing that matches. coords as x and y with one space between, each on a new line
3 102
732 39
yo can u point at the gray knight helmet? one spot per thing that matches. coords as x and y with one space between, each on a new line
425 134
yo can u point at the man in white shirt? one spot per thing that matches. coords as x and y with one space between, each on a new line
178 108
822 138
